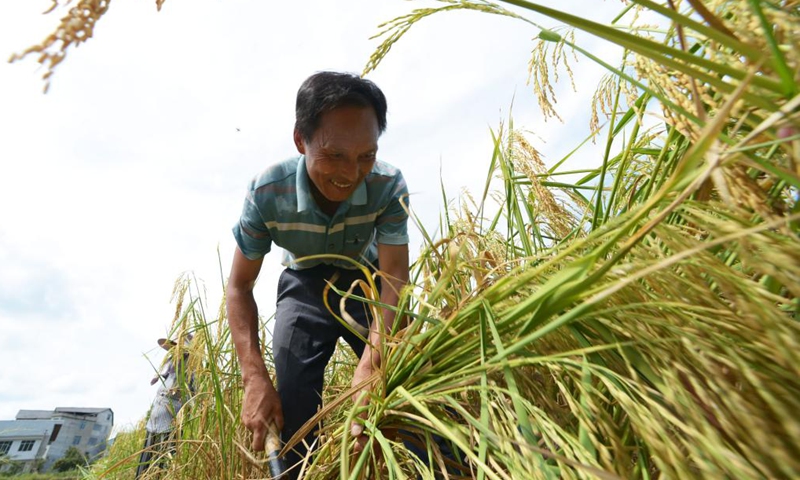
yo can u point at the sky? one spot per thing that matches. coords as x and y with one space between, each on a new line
132 169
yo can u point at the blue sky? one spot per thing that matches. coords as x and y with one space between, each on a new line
132 169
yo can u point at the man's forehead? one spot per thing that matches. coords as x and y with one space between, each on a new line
334 138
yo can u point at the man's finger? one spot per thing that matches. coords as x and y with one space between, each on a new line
361 442
278 421
361 398
258 439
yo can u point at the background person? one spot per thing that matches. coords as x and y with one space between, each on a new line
170 397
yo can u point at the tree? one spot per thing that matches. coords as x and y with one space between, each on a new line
11 467
71 460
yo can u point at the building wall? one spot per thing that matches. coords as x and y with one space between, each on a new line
54 432
27 457
88 433
101 429
31 454
71 434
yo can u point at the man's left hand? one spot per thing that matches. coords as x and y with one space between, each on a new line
366 368
393 260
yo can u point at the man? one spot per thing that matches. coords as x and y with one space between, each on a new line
170 397
335 198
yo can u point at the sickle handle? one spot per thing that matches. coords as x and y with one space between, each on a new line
276 466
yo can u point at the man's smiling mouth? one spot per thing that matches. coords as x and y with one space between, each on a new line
341 185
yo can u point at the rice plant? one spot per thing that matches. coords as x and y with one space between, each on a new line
634 320
76 27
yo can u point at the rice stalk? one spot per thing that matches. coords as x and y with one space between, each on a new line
76 27
636 321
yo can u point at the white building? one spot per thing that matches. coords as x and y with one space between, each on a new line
43 436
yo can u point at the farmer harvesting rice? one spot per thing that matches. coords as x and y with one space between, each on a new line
170 397
334 198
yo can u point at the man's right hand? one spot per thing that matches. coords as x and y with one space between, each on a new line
260 408
261 405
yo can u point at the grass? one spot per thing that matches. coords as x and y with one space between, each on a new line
74 475
637 319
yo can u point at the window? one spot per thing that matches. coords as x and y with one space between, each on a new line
26 445
76 440
54 435
92 441
83 425
97 427
4 447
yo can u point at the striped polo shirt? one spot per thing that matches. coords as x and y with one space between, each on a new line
280 209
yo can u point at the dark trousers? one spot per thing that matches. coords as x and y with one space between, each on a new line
303 341
156 445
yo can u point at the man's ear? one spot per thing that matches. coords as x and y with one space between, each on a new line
298 142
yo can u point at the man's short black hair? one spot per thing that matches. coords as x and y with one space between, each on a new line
325 91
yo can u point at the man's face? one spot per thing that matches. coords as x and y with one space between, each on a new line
341 152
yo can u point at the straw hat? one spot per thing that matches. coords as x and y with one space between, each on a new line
167 344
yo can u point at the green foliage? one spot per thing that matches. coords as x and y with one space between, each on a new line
12 467
72 460
122 455
636 331
635 319
71 475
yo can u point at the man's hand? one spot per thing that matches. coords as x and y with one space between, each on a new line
368 364
261 405
393 260
260 408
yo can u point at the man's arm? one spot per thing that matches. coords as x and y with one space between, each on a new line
261 406
393 260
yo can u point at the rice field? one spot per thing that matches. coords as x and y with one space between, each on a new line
638 319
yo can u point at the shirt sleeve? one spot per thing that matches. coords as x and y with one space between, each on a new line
251 233
391 224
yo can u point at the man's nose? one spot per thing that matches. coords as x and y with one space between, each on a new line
350 170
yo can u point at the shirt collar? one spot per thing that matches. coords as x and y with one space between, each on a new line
305 200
